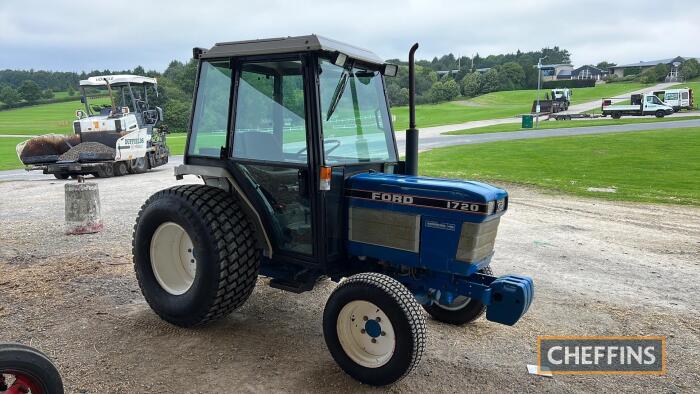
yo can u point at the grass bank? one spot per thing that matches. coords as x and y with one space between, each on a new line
498 105
563 124
659 166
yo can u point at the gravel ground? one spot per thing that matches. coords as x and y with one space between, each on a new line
600 268
91 147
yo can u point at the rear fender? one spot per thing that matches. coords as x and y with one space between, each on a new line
220 177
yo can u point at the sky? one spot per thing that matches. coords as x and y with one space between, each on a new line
82 35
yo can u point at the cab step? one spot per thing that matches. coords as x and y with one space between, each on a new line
294 287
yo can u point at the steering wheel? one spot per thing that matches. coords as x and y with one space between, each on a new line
331 149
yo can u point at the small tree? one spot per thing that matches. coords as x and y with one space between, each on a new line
654 74
471 85
9 95
511 76
47 94
71 91
397 95
30 91
690 69
444 91
490 82
605 65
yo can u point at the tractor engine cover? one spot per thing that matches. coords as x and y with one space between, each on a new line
438 224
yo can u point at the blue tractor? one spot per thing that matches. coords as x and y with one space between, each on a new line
295 145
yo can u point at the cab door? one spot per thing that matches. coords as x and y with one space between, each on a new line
270 151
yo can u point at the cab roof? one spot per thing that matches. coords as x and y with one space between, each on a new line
115 80
279 45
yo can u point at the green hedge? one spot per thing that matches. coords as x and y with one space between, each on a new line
569 83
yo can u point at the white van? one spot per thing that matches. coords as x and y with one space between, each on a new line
677 98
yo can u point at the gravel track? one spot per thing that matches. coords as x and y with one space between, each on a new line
600 268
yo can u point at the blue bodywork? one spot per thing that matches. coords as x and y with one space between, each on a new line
443 207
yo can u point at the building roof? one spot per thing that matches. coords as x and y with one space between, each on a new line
655 62
589 66
279 45
117 80
555 65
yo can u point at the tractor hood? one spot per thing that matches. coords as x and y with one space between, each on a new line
455 195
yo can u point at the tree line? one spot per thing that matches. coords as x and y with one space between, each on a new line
437 80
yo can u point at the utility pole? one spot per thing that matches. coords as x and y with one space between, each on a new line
539 77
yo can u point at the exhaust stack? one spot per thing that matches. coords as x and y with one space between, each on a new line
412 132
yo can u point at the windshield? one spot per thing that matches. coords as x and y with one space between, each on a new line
355 116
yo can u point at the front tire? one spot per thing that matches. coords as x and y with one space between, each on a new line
29 369
61 176
659 114
374 328
195 254
462 311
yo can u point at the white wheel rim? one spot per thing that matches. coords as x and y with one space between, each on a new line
370 343
457 304
172 258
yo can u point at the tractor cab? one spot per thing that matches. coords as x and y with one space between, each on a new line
294 141
290 124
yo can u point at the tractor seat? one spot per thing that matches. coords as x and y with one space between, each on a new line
257 145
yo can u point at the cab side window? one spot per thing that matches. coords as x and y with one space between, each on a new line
210 120
270 122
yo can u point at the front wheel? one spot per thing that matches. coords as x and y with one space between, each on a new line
61 176
195 254
374 328
461 311
26 370
659 114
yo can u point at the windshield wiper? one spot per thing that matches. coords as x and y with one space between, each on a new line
338 94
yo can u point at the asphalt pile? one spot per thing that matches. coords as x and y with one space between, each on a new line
91 147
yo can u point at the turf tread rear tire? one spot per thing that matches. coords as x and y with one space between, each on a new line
232 242
409 307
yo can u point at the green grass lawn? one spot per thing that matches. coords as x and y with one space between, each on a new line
560 124
660 166
499 105
42 119
176 143
8 155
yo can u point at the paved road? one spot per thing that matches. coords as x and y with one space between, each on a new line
583 107
430 141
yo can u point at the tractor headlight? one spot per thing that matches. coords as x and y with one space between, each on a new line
496 206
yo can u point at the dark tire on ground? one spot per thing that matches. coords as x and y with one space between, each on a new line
659 114
138 166
467 313
105 171
616 115
33 365
405 318
61 176
224 246
120 168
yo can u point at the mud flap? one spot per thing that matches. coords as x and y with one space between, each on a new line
511 296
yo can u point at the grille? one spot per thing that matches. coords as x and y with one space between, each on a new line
476 240
385 228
